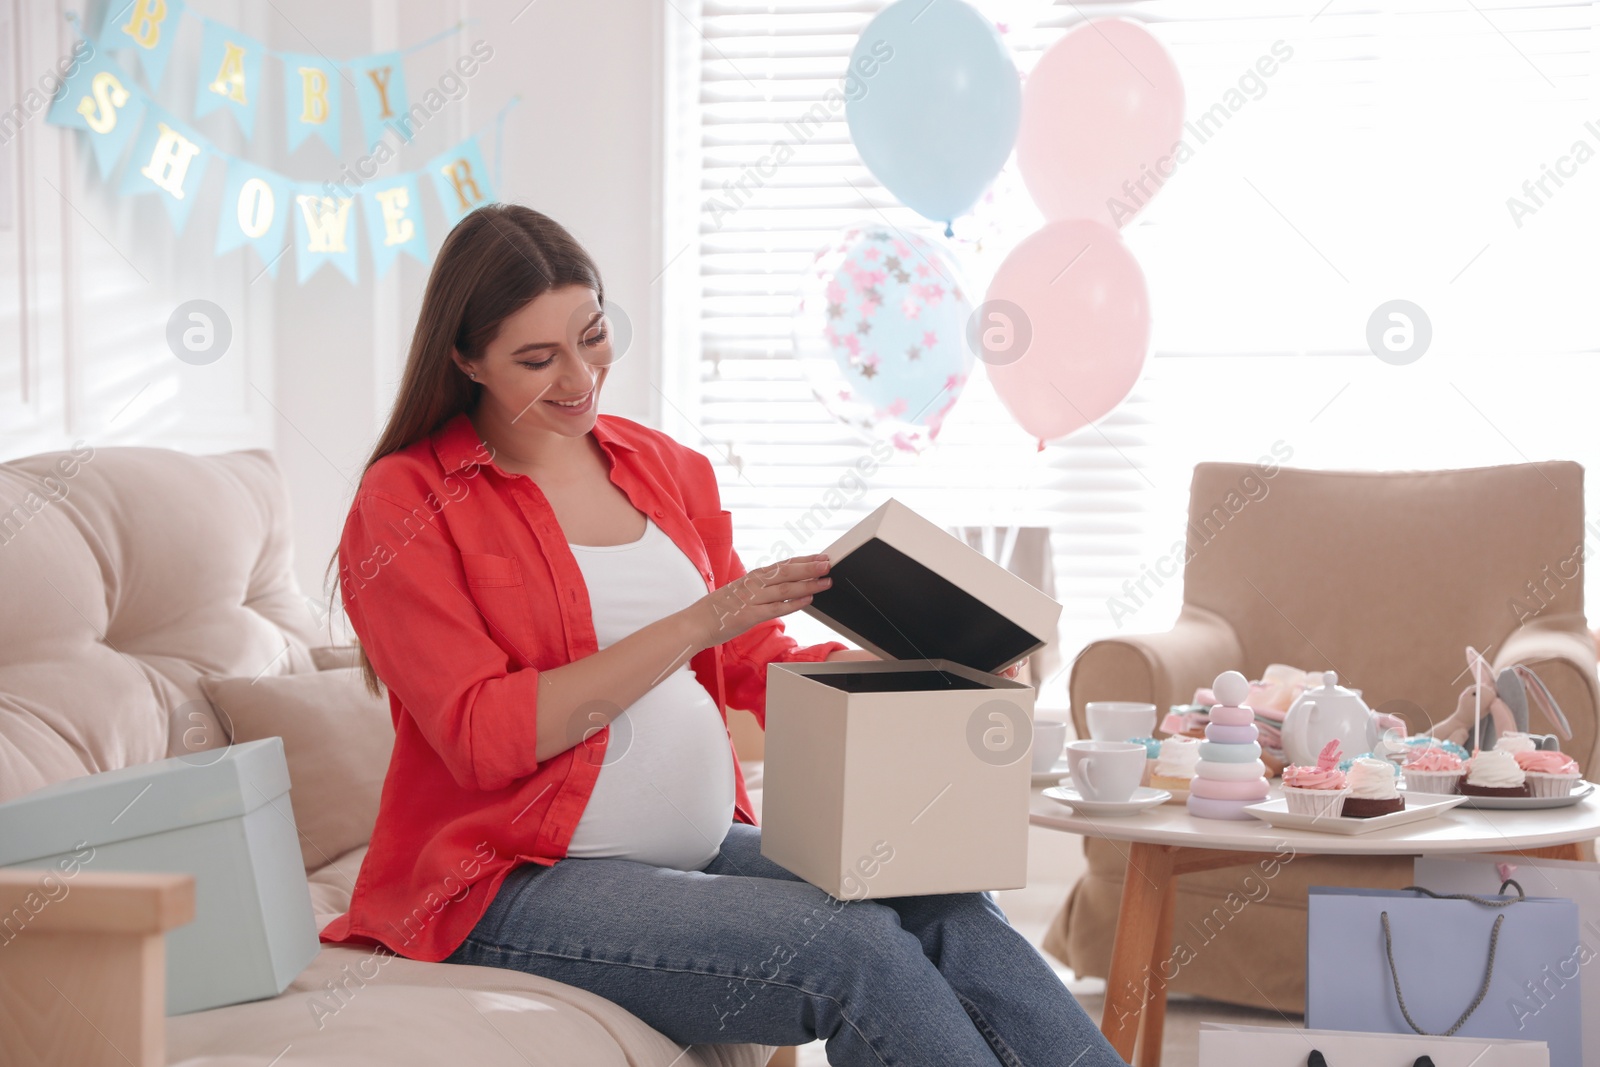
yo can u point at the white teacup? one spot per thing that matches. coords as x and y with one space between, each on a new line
1049 735
1118 720
1105 770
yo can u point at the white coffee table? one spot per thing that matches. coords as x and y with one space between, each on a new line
1166 842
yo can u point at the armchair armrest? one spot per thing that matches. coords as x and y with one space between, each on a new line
83 975
1561 651
1160 668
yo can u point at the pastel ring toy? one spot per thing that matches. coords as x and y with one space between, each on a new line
1230 772
1231 735
1204 808
1210 789
1231 716
1218 752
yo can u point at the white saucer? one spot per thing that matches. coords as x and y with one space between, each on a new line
1054 774
1142 799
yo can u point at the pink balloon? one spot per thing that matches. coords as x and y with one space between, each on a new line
1102 112
1065 328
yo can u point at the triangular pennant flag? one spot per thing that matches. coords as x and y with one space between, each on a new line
169 159
229 74
394 220
324 231
146 26
312 89
380 82
460 179
100 98
255 211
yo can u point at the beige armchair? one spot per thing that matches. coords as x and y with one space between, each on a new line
1384 577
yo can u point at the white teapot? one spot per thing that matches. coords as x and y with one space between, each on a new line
1325 713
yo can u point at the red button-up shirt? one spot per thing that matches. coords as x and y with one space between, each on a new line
458 581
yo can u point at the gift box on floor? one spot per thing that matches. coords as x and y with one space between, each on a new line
222 815
909 775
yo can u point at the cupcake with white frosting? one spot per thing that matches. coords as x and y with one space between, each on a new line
1515 743
1374 789
1175 767
1495 773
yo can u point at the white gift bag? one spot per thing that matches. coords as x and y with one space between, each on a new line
1226 1045
1576 881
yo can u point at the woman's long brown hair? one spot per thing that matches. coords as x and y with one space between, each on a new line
497 259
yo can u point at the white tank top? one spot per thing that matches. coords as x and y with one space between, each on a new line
665 793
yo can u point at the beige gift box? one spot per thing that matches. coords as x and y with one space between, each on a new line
911 775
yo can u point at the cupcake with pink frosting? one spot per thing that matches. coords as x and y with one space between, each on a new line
1318 790
1550 774
1433 770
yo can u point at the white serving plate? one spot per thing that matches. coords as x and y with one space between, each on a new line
1579 791
1419 806
1143 798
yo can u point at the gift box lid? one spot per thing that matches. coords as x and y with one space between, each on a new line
907 589
144 799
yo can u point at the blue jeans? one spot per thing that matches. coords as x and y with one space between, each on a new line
744 951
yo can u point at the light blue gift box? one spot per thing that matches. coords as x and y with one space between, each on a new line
222 815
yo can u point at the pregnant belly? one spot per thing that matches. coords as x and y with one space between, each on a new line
665 793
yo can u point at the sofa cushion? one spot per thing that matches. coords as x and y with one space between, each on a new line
136 570
336 741
353 1006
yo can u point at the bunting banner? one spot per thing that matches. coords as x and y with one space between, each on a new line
393 223
380 95
314 87
168 158
255 206
229 72
458 177
260 208
102 99
148 27
230 75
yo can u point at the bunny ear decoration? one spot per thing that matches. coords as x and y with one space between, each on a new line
1547 703
1482 673
1481 676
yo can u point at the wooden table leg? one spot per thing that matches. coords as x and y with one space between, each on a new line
1144 888
1152 1030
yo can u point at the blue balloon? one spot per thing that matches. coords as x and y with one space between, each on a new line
933 102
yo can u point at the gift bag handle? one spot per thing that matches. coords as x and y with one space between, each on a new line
1488 973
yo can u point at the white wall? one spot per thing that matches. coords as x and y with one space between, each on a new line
313 368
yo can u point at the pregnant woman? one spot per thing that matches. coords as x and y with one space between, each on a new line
552 598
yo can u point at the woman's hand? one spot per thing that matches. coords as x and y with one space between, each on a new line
755 597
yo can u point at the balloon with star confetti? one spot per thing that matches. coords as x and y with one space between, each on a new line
879 330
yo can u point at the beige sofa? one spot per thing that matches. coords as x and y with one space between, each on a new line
132 573
1385 577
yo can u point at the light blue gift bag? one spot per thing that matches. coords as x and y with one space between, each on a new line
1407 961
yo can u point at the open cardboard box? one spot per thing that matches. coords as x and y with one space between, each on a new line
911 775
